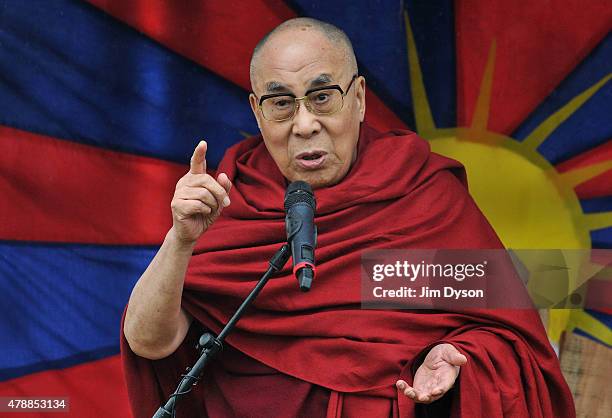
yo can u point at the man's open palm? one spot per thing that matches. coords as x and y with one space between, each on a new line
436 375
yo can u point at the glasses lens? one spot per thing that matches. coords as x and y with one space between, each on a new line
278 108
325 102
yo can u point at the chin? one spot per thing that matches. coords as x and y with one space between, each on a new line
317 180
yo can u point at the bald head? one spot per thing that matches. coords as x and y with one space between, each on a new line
298 67
303 26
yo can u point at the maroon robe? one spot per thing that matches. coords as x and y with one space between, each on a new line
318 353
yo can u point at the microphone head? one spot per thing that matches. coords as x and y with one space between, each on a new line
299 192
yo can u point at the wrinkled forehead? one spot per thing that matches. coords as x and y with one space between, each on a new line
297 59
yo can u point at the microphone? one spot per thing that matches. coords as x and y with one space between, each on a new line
300 207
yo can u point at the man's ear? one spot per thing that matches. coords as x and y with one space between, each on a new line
255 109
360 89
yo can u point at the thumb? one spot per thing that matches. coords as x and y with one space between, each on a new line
453 356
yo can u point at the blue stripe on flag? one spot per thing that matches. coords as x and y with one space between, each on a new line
63 303
103 83
597 204
602 238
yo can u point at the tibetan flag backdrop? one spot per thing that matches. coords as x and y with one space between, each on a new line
102 102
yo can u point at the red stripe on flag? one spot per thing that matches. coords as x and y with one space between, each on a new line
597 186
538 45
94 389
60 191
220 36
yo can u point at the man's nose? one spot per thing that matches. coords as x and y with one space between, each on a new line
305 123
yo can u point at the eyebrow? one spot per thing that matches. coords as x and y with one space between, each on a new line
276 87
321 80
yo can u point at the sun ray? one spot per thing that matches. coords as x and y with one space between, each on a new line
422 111
594 221
480 119
547 127
529 191
582 320
579 175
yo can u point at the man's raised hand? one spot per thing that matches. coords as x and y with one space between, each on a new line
198 198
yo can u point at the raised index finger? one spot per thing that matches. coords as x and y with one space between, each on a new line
198 159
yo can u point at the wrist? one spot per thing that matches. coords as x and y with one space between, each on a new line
177 243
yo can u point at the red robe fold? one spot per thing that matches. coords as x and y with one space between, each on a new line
318 353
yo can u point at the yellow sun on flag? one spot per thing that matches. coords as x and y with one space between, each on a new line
529 203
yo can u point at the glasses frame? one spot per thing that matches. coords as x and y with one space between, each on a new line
306 100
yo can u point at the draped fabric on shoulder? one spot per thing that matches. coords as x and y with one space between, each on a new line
320 354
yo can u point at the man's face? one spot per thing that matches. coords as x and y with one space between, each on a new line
318 149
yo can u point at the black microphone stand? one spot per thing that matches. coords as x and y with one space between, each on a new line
211 345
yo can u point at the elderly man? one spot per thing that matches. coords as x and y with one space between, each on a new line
318 354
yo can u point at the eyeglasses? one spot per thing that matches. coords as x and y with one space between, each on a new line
325 100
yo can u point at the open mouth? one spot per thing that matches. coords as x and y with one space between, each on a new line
311 159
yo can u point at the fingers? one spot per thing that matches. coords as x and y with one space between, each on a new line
204 194
198 159
406 389
436 375
201 194
188 208
208 183
412 393
420 396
